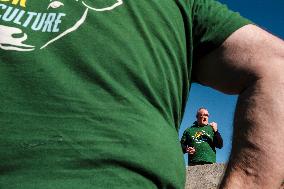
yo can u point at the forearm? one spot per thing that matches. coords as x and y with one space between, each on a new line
257 155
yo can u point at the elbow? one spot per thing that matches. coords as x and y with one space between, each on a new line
220 145
267 74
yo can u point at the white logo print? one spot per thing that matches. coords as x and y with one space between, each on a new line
12 38
8 42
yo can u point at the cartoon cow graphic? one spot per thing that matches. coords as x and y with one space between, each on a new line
13 38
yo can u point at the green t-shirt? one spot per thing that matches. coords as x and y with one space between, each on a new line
93 92
201 138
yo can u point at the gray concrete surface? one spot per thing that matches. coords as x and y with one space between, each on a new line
204 176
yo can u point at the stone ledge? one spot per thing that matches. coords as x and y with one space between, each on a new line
204 176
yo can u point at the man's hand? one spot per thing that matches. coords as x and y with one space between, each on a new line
214 126
190 150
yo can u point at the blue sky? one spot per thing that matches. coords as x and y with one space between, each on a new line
268 14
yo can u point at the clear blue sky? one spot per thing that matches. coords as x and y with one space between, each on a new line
268 14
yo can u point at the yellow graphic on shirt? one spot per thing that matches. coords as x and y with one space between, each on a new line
16 2
200 137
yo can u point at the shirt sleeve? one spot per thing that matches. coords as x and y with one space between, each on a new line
184 141
217 140
212 23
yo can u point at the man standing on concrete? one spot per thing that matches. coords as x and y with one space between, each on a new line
201 139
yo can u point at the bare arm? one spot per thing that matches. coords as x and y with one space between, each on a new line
251 63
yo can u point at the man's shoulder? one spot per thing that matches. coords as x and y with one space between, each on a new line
192 127
196 127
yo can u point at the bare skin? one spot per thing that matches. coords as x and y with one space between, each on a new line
202 117
214 126
190 150
251 63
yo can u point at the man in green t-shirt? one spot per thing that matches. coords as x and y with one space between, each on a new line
201 139
92 92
